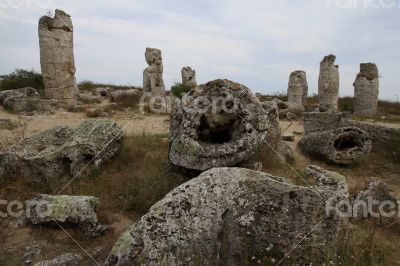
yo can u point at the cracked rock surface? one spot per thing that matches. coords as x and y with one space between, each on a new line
227 215
61 152
222 124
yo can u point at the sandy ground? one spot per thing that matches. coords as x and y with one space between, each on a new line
17 238
131 122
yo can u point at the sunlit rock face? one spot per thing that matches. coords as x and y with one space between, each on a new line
57 56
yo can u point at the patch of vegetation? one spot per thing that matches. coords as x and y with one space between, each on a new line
90 85
21 78
178 89
362 245
139 176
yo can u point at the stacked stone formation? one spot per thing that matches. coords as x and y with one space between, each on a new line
298 87
328 84
189 77
57 56
152 76
366 90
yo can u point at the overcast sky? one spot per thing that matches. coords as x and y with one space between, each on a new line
257 43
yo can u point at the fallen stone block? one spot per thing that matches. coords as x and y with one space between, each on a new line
342 146
230 215
61 152
71 210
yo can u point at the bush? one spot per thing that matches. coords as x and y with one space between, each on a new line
21 78
86 85
178 89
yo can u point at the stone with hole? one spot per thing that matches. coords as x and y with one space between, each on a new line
342 146
221 123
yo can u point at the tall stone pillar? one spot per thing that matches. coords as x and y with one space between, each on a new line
366 90
152 76
298 87
189 77
57 56
328 84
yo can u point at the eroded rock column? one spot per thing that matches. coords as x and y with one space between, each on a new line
57 56
328 84
366 90
152 76
298 87
189 77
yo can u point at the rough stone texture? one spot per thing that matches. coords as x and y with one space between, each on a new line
124 95
315 122
88 97
25 100
376 190
75 210
189 77
26 92
153 75
342 146
203 136
287 152
67 259
328 84
366 90
286 107
61 152
57 56
227 216
24 104
298 88
103 92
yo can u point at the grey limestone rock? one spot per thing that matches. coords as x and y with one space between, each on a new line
230 215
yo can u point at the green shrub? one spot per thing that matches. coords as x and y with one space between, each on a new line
21 78
86 85
178 89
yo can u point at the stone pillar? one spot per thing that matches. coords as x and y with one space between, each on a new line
189 77
366 90
152 76
298 88
328 84
57 56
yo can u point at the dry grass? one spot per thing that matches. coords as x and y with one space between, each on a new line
137 178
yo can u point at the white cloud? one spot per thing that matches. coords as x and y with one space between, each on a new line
220 39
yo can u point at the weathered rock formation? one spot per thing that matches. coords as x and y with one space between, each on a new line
26 92
67 259
189 77
328 84
366 90
25 100
124 95
57 56
71 210
220 123
89 97
374 193
287 109
298 88
61 152
230 216
153 75
342 146
380 136
23 104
